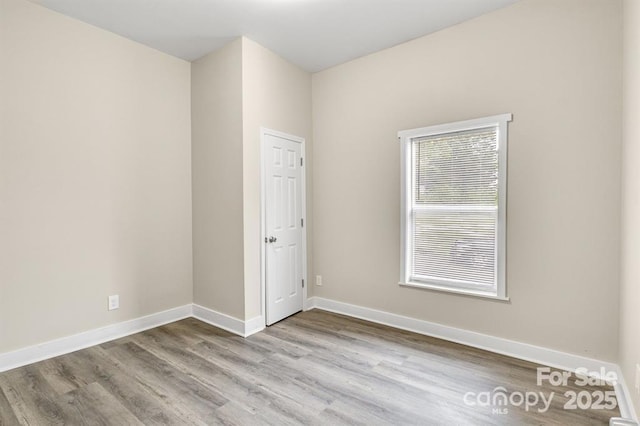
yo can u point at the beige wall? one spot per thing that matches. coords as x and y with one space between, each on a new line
217 181
95 195
630 280
556 66
276 95
235 91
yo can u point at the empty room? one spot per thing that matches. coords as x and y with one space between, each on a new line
292 212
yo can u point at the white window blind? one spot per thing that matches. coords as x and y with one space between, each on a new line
453 206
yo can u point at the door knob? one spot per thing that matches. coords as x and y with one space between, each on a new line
272 239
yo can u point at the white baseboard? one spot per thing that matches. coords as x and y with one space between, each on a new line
254 325
227 322
65 345
308 304
625 401
220 320
535 354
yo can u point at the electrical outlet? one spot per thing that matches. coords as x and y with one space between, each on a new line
319 280
114 302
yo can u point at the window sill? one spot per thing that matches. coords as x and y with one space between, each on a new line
462 292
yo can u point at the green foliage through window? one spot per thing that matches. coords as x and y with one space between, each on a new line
457 168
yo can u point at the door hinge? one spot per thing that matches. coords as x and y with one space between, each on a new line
302 222
302 283
301 161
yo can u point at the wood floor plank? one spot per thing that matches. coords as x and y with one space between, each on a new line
379 395
185 395
286 396
233 414
96 364
245 389
185 333
7 417
275 345
323 342
313 368
93 405
59 376
31 397
210 371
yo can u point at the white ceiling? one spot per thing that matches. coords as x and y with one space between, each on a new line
314 34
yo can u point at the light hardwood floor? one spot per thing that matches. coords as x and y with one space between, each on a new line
312 368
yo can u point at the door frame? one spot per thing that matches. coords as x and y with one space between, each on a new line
263 210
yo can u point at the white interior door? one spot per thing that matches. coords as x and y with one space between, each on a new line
283 226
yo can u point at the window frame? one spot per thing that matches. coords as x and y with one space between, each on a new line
406 138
